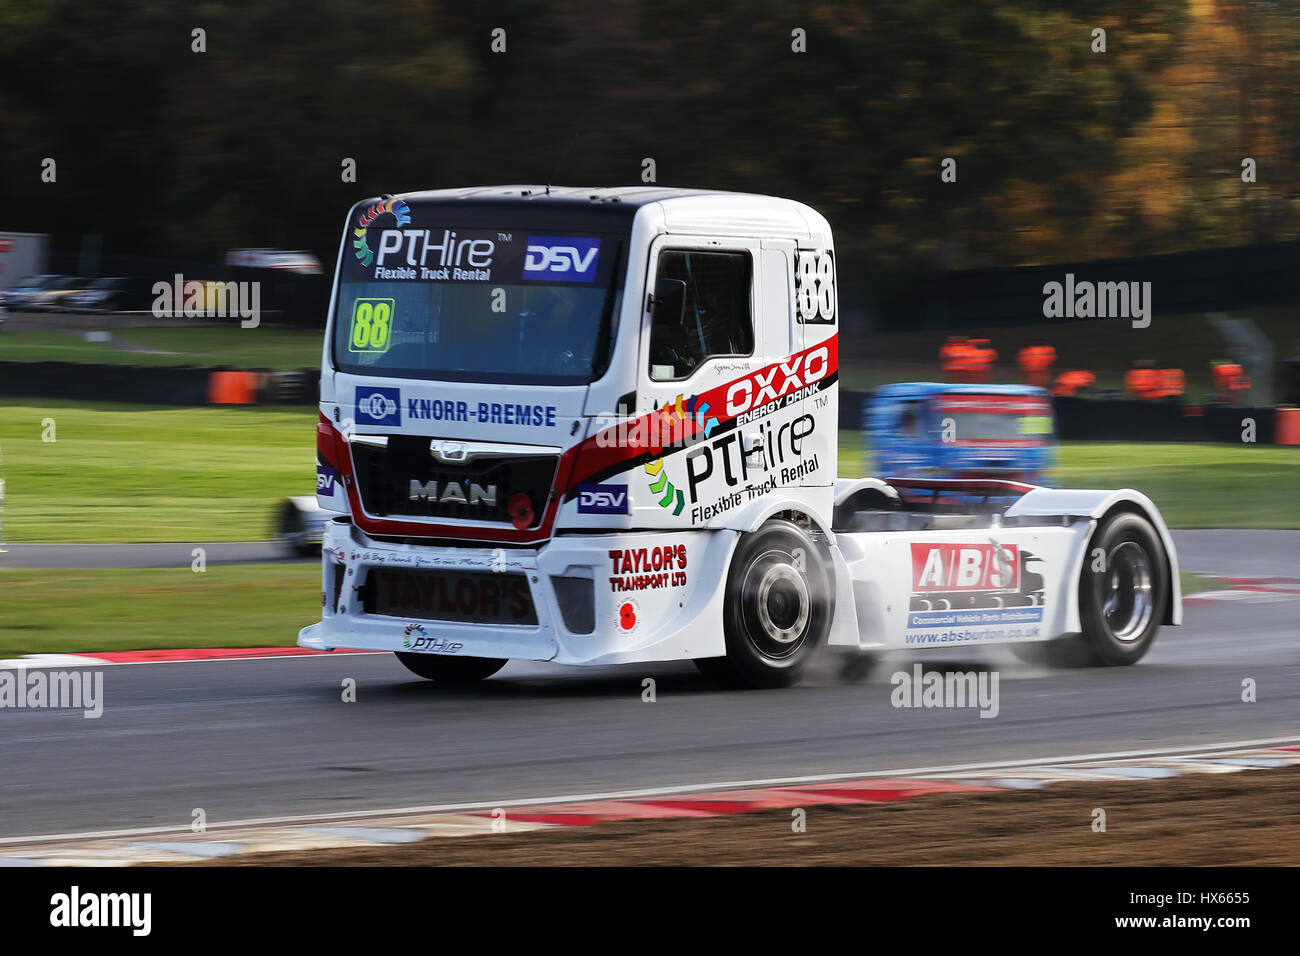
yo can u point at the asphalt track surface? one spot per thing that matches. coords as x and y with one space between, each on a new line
248 739
162 555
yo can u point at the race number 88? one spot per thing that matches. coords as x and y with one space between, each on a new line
815 277
372 325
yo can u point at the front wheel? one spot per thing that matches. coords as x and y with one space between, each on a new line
450 670
291 529
777 609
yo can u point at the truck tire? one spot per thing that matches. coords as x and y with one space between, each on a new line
451 670
777 610
290 529
1120 607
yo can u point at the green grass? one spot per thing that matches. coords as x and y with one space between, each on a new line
1199 583
1193 485
265 347
55 612
120 472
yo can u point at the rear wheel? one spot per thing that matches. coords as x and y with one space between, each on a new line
1122 604
777 609
1124 590
451 670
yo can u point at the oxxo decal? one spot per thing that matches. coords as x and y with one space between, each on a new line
570 258
602 499
767 385
965 567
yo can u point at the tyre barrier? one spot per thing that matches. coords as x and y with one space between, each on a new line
1287 429
158 384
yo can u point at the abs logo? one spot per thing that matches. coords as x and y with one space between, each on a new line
378 406
965 567
564 258
602 499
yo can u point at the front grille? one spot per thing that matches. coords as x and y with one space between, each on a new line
477 490
471 597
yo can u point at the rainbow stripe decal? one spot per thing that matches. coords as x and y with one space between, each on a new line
392 207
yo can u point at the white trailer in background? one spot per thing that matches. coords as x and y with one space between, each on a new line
22 254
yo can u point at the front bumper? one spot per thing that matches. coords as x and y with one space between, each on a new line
631 617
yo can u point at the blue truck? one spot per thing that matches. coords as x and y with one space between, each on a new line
947 430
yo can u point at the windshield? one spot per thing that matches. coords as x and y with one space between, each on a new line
985 419
474 304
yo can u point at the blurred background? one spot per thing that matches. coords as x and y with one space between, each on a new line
1152 143
1063 153
1107 140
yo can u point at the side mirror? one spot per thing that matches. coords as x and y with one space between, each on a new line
669 303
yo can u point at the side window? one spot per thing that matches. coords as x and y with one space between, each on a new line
716 318
909 425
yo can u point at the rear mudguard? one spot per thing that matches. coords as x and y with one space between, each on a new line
875 578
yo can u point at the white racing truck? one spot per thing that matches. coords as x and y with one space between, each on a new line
599 426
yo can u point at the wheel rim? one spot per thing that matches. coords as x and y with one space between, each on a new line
1127 597
776 604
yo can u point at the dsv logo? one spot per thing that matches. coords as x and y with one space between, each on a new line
572 258
602 499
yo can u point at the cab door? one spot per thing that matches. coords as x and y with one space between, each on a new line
687 362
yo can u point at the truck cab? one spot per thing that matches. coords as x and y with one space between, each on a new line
959 430
587 426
